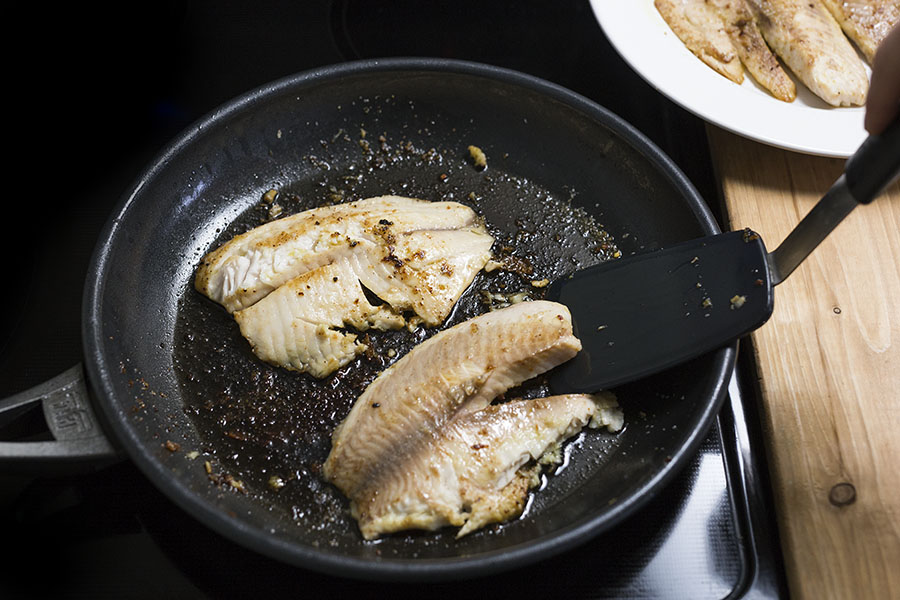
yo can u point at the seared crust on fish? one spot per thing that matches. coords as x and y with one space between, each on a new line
424 271
866 22
479 468
805 34
249 266
406 455
458 370
808 39
752 49
293 285
298 326
699 26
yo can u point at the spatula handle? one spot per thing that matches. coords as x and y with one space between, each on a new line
871 168
875 164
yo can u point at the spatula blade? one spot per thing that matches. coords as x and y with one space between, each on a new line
643 314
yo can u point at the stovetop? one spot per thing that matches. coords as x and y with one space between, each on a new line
109 100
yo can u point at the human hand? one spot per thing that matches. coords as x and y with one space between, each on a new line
883 102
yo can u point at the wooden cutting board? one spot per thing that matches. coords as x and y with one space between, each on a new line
829 367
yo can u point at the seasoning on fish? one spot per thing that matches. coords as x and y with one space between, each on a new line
299 325
424 271
251 265
866 22
750 46
699 26
480 468
295 283
808 39
423 448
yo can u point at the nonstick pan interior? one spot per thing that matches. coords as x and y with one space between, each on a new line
238 443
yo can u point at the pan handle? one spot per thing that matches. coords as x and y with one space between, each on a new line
78 443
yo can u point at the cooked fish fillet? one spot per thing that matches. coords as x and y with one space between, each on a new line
808 39
457 371
297 325
866 22
251 265
700 27
424 271
479 468
752 49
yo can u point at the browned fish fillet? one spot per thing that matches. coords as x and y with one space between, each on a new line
866 22
249 266
479 468
424 271
810 42
699 26
298 326
752 49
294 283
456 372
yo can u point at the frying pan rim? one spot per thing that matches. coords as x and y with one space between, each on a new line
100 370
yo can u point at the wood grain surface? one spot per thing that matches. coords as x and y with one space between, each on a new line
829 365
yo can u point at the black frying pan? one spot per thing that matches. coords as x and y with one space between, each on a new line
567 185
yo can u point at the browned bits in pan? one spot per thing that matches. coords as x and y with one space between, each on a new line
478 157
283 421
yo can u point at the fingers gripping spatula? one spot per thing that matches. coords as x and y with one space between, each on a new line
645 313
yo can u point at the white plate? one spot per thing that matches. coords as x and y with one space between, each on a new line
648 45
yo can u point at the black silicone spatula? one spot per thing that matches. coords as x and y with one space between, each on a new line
642 314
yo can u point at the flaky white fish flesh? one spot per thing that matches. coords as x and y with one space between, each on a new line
295 285
866 22
808 39
424 271
404 455
251 265
699 26
479 469
301 325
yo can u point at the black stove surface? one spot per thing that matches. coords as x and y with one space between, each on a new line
116 88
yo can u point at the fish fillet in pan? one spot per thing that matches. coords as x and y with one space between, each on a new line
479 469
420 447
423 271
300 326
249 266
866 22
295 284
810 42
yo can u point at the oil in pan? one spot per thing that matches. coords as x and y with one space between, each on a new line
266 430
